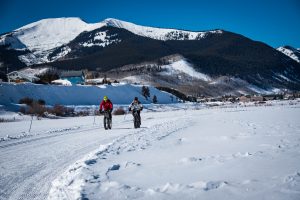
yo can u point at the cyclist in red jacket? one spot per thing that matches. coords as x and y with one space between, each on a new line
106 105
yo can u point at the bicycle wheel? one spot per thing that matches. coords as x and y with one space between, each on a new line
136 122
105 122
109 123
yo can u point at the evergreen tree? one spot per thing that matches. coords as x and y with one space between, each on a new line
172 98
50 75
145 92
154 99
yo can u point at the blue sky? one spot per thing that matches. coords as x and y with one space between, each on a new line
275 22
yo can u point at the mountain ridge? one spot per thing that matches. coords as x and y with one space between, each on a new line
112 44
291 52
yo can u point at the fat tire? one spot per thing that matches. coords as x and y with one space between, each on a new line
109 123
105 122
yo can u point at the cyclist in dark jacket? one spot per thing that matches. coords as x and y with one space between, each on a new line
136 105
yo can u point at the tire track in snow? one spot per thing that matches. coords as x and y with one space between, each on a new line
54 133
71 184
30 174
60 133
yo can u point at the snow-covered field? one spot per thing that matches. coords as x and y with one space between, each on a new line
181 151
118 93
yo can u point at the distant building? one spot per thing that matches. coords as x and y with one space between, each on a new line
192 98
289 97
244 99
201 99
18 77
98 81
257 98
75 77
269 97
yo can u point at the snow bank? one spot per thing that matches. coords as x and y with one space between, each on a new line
225 153
62 82
182 66
79 94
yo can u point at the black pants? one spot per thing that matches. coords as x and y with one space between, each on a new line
109 114
139 115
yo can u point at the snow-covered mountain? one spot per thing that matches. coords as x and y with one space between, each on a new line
41 38
47 34
181 75
72 44
159 33
291 52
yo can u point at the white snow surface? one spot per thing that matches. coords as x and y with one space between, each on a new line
283 77
290 53
64 51
47 34
100 39
42 37
182 66
181 151
158 33
62 82
34 71
11 93
229 153
265 91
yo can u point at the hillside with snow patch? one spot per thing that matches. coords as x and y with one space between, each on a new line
182 66
290 52
79 95
71 44
41 38
47 34
159 33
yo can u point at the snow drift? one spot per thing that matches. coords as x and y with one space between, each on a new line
79 94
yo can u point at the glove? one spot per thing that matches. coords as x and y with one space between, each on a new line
100 111
129 109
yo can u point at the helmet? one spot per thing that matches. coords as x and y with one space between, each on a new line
136 99
105 98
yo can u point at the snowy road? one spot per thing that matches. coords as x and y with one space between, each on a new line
219 153
29 165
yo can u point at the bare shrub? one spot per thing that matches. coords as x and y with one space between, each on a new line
70 111
60 110
34 107
119 111
23 110
37 109
83 113
41 102
2 120
26 100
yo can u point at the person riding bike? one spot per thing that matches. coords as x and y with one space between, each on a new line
106 105
136 105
